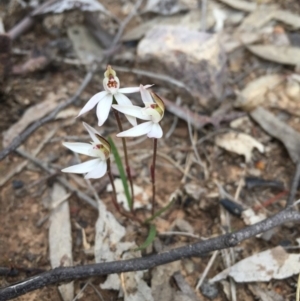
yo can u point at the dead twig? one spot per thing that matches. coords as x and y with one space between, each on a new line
63 274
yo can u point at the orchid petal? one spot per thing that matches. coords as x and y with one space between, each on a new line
80 148
155 116
156 131
98 172
82 167
129 90
111 90
132 111
92 102
146 96
92 132
138 130
103 108
124 100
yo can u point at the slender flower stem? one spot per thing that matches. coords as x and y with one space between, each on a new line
117 116
152 169
111 178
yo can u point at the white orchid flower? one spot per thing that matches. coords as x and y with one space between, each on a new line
154 112
99 148
104 99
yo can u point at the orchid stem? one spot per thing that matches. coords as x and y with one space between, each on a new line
152 170
111 178
114 197
126 159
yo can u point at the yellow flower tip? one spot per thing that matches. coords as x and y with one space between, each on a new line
105 147
110 72
159 102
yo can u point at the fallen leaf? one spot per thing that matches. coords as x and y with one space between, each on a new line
275 263
280 130
288 55
255 91
189 20
240 5
86 47
239 143
64 5
60 242
108 245
167 7
32 114
288 18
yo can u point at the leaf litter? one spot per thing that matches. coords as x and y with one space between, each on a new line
268 94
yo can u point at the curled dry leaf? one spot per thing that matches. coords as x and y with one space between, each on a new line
288 55
254 93
275 263
239 143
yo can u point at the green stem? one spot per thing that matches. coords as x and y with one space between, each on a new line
117 116
152 170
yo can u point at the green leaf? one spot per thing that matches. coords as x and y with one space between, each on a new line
121 171
151 236
159 212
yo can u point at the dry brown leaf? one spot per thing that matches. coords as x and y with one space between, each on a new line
280 130
239 143
275 263
60 242
288 55
32 114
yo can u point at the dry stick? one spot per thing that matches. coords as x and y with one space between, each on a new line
63 274
22 137
152 169
294 186
126 159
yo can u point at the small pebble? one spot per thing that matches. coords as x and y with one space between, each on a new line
209 290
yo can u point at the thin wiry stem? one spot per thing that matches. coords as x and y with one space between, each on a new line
111 178
152 169
126 159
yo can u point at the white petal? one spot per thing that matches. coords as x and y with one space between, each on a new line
155 116
82 167
146 96
103 108
156 131
92 132
98 172
92 102
132 89
124 100
80 148
138 130
111 90
132 111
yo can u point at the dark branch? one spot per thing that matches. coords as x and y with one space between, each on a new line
63 274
